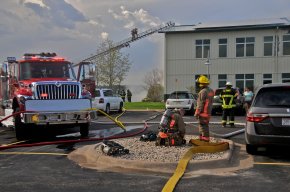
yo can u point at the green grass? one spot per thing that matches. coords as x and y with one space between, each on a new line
144 105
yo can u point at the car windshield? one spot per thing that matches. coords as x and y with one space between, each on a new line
178 96
30 70
273 97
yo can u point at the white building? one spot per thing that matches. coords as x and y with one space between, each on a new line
247 53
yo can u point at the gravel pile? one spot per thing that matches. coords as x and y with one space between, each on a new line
147 151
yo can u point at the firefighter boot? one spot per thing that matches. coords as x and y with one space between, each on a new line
203 138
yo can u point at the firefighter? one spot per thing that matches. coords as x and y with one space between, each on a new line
171 128
123 95
229 96
129 95
204 107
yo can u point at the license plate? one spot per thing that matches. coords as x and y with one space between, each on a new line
54 118
285 121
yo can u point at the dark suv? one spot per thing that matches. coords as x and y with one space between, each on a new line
217 102
268 120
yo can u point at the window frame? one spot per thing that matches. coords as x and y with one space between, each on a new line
267 80
286 44
245 46
223 47
202 48
285 79
269 45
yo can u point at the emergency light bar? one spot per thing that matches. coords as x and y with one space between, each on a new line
42 56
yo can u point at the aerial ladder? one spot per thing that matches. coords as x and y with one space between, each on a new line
87 67
126 42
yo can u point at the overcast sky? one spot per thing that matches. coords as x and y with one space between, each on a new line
75 28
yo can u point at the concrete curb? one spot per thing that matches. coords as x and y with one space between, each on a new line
88 158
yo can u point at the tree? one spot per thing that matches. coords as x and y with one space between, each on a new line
153 85
113 67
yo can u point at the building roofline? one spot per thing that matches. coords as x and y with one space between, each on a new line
231 26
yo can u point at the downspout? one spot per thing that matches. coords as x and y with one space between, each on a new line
276 53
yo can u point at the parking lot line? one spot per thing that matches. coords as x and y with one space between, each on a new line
265 163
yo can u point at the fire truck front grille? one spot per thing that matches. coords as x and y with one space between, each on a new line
51 91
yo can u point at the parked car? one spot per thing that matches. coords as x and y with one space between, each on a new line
268 119
217 102
107 101
181 100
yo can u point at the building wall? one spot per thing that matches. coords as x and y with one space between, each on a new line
181 66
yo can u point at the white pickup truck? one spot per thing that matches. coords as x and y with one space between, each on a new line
107 101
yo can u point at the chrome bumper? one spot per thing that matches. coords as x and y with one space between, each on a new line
73 111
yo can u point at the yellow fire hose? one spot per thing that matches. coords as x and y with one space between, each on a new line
200 147
119 123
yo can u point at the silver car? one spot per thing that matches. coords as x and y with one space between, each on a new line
268 120
181 100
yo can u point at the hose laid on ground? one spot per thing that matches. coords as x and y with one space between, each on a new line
228 134
74 140
8 146
200 147
119 123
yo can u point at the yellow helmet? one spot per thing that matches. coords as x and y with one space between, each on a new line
203 80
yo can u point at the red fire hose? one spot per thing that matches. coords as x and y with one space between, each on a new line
66 141
74 140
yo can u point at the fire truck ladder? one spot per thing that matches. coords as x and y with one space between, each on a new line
126 42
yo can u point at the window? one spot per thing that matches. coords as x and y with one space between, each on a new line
222 80
285 77
267 78
245 80
245 46
223 47
286 44
108 93
268 45
273 96
98 93
202 48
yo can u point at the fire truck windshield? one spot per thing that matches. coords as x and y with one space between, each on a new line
47 69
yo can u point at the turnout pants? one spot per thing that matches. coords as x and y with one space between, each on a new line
228 113
203 126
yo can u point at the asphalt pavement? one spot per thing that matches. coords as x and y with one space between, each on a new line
47 168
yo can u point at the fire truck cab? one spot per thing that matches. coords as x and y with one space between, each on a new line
42 90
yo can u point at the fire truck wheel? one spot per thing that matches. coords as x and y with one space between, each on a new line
84 130
19 127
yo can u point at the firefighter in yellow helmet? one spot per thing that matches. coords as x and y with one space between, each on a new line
204 107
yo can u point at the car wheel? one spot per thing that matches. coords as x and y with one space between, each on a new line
19 127
251 149
107 110
84 129
121 107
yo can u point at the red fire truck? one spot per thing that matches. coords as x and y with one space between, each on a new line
42 90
